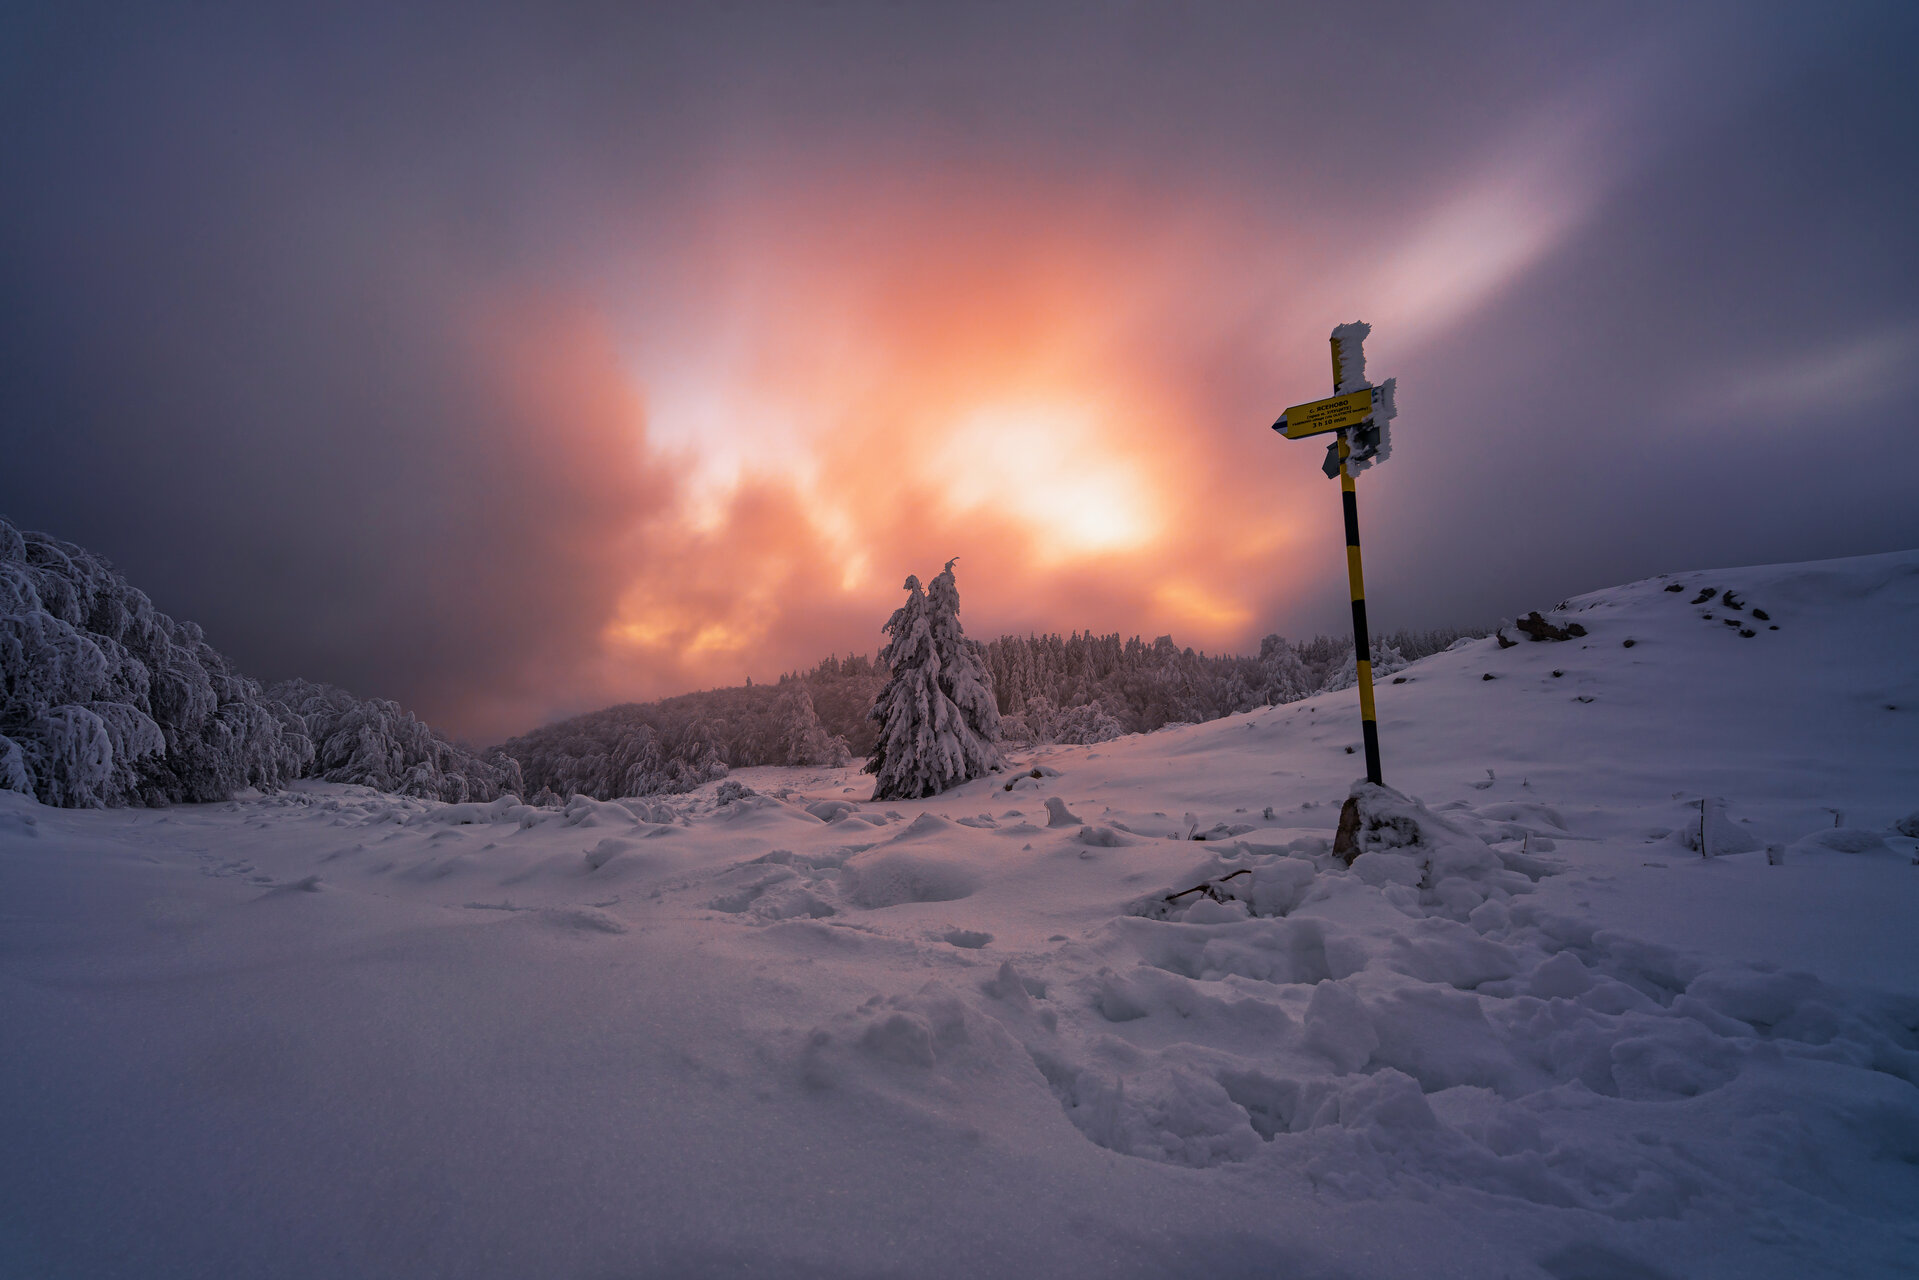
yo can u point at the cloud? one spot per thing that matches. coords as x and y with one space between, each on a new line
1529 190
515 367
983 375
545 497
1817 389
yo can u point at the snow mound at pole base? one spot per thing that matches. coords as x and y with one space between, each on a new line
1401 836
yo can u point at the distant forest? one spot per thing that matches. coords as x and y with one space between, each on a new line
1050 689
106 701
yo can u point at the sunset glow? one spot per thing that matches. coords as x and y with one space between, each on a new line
983 376
675 640
682 392
1051 469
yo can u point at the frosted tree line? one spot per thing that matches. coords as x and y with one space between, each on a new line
676 744
378 743
108 701
1090 688
104 700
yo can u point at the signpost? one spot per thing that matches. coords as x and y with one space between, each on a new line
1321 416
1359 412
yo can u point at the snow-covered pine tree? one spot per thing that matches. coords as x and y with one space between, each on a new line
963 674
905 703
938 722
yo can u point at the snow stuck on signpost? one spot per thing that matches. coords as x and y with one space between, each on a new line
938 720
1370 441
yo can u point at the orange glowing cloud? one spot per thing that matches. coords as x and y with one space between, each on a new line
986 375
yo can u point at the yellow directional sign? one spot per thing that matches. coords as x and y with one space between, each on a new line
1320 416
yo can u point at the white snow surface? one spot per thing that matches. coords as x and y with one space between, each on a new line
1531 1032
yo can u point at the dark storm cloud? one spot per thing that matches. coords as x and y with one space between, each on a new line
255 265
314 319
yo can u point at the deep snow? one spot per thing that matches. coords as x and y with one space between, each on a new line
331 1032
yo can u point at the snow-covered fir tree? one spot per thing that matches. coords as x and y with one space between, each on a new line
938 720
907 700
964 676
1282 677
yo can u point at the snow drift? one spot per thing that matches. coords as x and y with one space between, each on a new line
1132 1017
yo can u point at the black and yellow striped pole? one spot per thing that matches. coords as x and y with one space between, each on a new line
1363 411
1362 641
1356 579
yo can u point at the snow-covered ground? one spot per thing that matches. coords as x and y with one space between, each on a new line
332 1033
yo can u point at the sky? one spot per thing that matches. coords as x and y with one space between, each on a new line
515 361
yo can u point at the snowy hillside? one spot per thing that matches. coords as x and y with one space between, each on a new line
771 1029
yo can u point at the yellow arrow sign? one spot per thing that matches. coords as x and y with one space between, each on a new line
1321 416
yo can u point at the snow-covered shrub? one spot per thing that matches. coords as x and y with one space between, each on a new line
1086 725
1284 677
378 743
104 700
1015 731
1040 723
1033 725
802 738
71 757
627 750
1386 660
937 715
731 790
